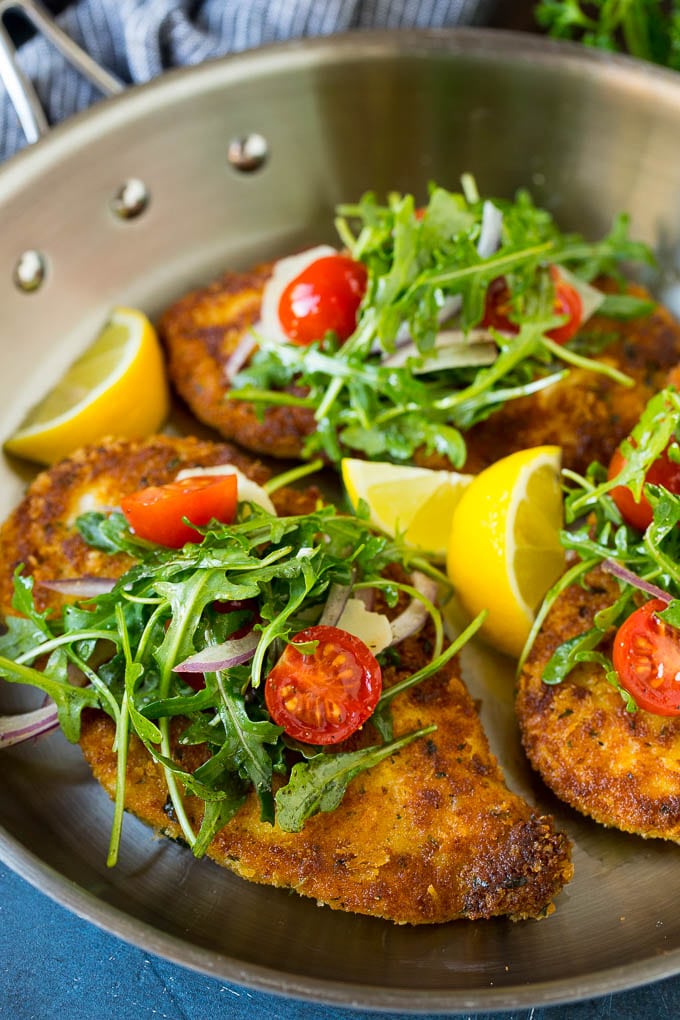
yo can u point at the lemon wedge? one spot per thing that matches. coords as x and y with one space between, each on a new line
504 548
416 502
117 386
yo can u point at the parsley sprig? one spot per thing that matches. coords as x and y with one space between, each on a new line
162 610
421 263
596 535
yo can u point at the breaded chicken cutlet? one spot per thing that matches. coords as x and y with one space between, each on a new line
587 413
429 835
200 333
618 767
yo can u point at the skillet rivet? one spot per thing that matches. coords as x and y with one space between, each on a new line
131 199
30 270
247 153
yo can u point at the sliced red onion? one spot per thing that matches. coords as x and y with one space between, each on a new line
414 616
612 567
335 603
14 729
490 234
229 653
82 587
238 357
367 596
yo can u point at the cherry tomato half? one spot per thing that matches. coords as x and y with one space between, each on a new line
156 513
638 513
646 657
497 308
324 697
324 297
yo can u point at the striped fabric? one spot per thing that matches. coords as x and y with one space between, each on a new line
139 39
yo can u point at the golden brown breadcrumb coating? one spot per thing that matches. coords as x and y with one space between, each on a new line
430 835
200 332
620 768
587 414
39 533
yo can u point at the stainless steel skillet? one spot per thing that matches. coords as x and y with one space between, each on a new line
590 135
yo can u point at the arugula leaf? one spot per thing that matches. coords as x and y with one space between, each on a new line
420 268
672 613
319 784
22 602
187 600
649 438
163 609
625 306
660 538
144 728
580 647
108 532
21 635
647 562
70 701
244 747
219 812
181 704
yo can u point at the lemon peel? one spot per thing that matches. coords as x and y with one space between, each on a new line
504 545
117 386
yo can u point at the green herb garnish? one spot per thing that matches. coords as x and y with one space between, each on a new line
162 611
596 535
646 29
424 266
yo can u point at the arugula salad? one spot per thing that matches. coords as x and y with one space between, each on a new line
624 520
431 318
266 636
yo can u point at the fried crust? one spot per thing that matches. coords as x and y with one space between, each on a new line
40 532
620 768
200 332
430 835
587 414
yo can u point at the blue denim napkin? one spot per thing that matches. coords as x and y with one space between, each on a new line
139 39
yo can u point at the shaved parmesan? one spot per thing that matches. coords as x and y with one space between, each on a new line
372 628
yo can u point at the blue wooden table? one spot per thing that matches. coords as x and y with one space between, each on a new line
56 965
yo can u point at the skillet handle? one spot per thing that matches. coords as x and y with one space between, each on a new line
21 91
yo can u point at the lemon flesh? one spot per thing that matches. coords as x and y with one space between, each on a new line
116 387
416 503
504 548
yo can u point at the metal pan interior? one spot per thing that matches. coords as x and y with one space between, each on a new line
589 135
